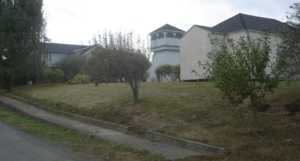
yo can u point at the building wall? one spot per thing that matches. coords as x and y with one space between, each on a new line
166 51
195 45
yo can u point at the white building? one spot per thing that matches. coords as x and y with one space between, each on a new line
195 44
165 46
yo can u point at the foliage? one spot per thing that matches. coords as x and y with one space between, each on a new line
177 71
80 79
72 66
7 74
288 47
21 27
168 71
53 76
117 56
242 69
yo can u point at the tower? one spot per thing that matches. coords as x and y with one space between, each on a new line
165 46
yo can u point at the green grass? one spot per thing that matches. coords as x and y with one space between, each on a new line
77 141
193 111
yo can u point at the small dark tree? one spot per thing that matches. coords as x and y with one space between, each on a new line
7 74
288 47
117 56
168 72
165 70
72 65
239 69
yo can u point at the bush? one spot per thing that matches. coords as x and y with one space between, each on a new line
80 79
53 76
7 75
72 65
168 71
293 107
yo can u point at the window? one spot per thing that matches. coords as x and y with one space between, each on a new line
161 35
154 37
49 57
170 35
178 36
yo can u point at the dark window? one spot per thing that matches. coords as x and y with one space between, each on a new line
170 35
178 36
154 37
161 35
49 57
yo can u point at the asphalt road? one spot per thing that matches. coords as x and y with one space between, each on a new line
16 145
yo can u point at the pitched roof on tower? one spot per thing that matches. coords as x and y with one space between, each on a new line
244 22
167 27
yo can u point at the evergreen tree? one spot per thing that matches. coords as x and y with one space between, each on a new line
21 25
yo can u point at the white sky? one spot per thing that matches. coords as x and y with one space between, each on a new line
73 21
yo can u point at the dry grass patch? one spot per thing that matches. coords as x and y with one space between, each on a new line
193 111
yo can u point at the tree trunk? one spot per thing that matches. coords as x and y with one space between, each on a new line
255 118
135 89
254 112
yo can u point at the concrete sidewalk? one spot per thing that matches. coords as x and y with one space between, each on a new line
169 151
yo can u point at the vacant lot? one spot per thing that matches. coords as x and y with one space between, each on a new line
193 111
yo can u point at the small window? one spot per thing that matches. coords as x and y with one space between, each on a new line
178 36
160 36
154 37
170 35
49 57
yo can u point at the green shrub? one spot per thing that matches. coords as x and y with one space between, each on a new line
7 75
53 76
80 79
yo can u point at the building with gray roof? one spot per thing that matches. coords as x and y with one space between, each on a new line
195 44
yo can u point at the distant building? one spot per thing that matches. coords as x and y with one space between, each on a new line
55 52
165 46
195 44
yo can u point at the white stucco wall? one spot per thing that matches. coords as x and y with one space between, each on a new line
195 45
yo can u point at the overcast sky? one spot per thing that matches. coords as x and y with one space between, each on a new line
75 21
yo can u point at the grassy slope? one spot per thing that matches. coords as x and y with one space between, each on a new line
193 111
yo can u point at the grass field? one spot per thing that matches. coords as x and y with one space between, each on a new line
192 111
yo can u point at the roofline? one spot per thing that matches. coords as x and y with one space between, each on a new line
192 27
80 49
65 44
271 33
89 51
166 31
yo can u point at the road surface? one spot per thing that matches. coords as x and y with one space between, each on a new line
16 145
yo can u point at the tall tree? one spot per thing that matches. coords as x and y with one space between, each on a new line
21 22
118 57
289 44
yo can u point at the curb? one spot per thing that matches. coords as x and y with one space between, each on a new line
104 124
184 143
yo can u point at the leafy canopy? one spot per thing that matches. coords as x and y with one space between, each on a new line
118 56
243 69
288 47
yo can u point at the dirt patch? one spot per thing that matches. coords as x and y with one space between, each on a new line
292 107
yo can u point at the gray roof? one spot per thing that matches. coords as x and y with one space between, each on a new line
167 27
62 48
244 22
